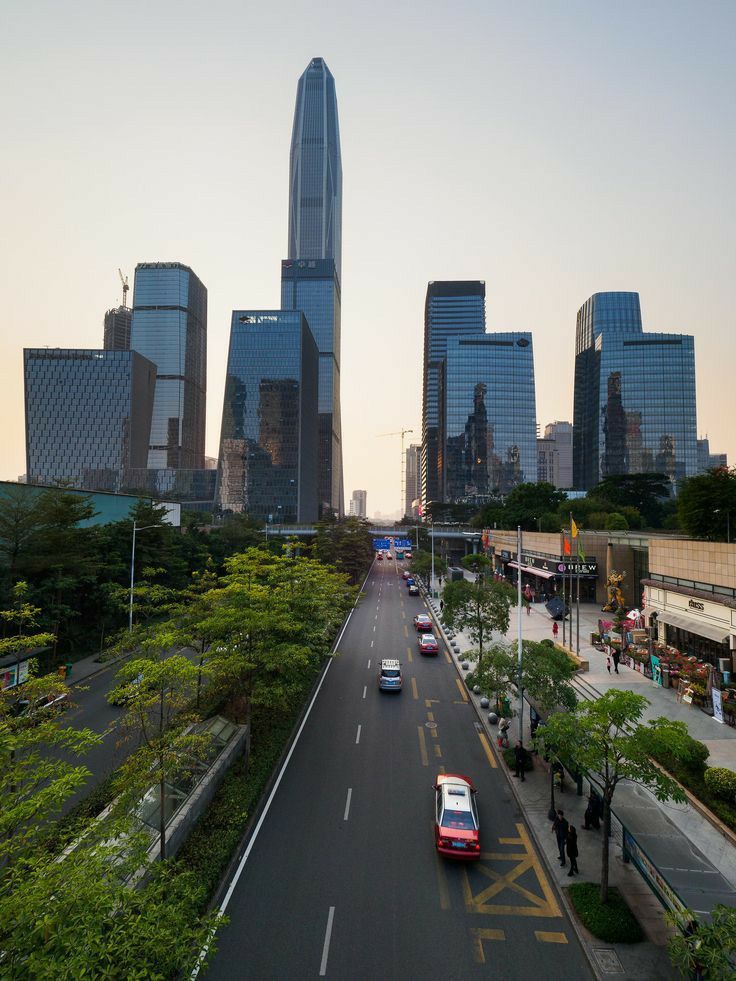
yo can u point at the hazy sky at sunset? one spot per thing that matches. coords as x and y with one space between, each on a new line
553 149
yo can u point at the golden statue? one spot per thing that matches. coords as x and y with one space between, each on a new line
615 595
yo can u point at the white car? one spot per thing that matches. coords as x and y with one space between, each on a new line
389 675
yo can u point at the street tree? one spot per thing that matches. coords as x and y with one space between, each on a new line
346 544
497 673
156 691
37 774
546 675
706 505
647 492
421 565
606 739
479 608
704 949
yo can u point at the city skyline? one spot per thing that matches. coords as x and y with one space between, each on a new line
572 185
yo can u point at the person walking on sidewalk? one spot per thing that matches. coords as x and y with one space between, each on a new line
592 819
608 662
572 850
555 629
616 658
520 760
560 826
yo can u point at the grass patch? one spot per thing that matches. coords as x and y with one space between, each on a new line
612 922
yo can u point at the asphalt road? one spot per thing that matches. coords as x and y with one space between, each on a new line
343 880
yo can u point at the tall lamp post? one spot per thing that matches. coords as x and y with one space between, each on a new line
431 580
728 522
136 529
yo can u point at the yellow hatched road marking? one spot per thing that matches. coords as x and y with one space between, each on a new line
550 938
429 702
478 937
423 746
414 691
487 750
461 688
525 861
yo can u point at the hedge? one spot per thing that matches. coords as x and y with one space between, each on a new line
612 922
691 772
721 782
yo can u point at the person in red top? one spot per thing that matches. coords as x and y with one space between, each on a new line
555 629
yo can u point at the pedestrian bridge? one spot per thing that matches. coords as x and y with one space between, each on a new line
453 532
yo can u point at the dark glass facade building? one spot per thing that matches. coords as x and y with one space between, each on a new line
451 309
88 415
268 444
312 286
169 327
117 329
490 420
310 277
635 406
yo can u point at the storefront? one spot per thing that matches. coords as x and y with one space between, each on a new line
549 576
685 619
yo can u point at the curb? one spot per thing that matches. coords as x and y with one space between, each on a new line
572 915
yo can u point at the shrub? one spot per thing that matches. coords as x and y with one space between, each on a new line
612 922
721 782
616 522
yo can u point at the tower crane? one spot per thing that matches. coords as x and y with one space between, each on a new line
124 281
402 433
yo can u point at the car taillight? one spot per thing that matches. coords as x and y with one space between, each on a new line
444 842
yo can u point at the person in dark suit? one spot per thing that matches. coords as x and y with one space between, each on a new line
572 849
560 826
520 760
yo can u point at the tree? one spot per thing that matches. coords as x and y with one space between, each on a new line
497 673
646 492
606 740
19 521
527 504
707 948
546 675
421 565
156 691
346 544
480 608
36 777
706 505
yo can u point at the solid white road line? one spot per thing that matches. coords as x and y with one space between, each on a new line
347 804
357 735
326 947
365 689
369 660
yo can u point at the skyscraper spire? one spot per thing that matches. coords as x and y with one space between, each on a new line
315 172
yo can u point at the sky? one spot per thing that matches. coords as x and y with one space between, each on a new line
552 149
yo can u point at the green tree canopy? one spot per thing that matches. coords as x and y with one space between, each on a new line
647 492
706 505
479 608
607 740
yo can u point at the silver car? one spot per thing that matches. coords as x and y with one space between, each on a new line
389 675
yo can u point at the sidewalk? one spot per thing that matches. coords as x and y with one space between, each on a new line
704 873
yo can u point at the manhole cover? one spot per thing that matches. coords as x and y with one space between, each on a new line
431 725
608 960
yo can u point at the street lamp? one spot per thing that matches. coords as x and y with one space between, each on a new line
431 580
136 529
728 522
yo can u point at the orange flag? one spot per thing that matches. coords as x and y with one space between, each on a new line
565 546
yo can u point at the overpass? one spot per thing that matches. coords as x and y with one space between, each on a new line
448 532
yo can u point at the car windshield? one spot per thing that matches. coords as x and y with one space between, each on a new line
390 673
429 639
460 820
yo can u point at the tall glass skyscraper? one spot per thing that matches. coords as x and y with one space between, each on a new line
169 327
117 329
451 309
310 278
490 419
268 443
635 406
88 415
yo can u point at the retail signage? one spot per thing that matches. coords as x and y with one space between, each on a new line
717 705
559 567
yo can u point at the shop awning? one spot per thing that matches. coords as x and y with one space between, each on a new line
532 571
718 634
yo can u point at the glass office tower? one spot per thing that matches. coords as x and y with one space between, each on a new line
117 329
634 395
312 286
315 169
170 328
451 309
88 415
310 277
268 443
490 419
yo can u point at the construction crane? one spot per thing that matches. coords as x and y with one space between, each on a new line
124 281
402 433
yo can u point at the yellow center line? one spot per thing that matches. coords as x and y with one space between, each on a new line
442 881
448 658
487 750
414 691
423 746
461 687
438 751
430 717
406 632
409 654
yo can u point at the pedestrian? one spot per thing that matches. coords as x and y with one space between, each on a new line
503 733
591 813
572 850
560 826
608 662
442 605
616 658
555 629
520 760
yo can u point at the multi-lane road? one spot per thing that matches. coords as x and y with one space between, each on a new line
341 879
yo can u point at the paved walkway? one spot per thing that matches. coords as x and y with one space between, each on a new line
695 857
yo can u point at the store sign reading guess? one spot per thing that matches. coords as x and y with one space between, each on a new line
694 605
